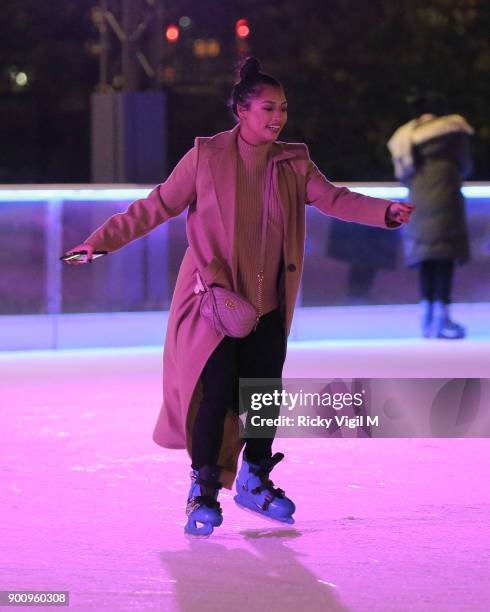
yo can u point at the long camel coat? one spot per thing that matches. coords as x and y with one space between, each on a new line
204 182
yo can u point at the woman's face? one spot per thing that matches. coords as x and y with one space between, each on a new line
267 114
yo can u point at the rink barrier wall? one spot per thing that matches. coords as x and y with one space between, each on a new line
123 300
66 331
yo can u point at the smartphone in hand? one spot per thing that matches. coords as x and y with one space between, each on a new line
79 255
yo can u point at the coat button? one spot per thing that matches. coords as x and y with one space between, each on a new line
291 268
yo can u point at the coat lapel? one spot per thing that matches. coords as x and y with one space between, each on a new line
282 188
223 166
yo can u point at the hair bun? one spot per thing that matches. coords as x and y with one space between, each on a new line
250 68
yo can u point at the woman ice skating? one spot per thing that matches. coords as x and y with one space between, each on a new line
245 260
431 155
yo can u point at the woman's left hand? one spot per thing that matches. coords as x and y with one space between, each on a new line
400 212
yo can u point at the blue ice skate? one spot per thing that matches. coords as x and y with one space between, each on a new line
256 492
203 510
445 327
427 318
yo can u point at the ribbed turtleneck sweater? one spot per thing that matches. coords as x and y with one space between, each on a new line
251 174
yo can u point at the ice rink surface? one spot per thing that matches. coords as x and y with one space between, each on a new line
91 505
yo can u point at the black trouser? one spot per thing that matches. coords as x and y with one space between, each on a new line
261 354
436 280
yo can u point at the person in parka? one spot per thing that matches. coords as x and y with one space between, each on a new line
431 155
220 182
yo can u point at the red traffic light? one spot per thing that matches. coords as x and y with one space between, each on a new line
242 28
172 33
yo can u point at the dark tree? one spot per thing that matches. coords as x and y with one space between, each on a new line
347 65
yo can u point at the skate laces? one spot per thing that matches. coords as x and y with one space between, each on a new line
208 487
202 500
262 471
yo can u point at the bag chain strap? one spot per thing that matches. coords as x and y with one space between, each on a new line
260 274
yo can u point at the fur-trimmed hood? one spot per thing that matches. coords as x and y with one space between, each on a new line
416 132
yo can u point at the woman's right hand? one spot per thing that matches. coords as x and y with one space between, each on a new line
81 247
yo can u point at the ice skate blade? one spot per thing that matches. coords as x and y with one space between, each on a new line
196 536
441 337
193 531
287 520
